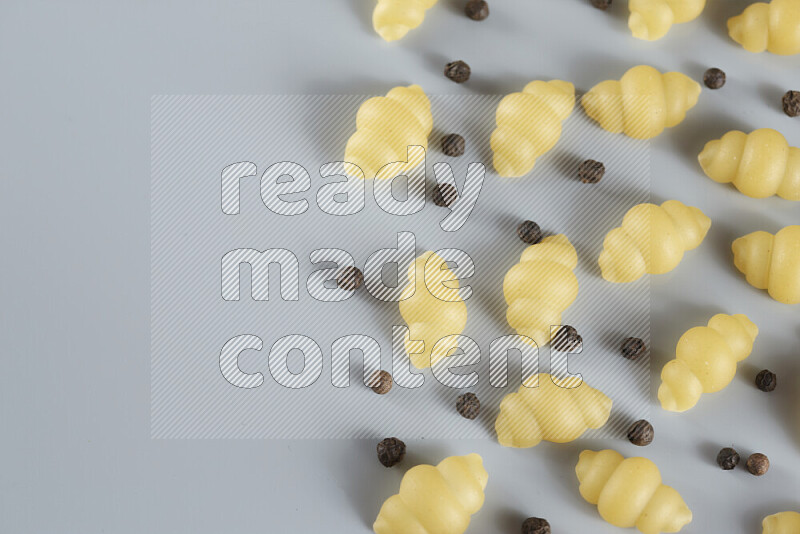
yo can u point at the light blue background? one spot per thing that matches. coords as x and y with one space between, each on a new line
74 394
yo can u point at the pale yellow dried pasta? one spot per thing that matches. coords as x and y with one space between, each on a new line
771 262
542 410
652 240
781 523
773 26
529 125
628 492
705 360
540 287
385 127
642 103
651 19
433 309
759 164
435 499
393 19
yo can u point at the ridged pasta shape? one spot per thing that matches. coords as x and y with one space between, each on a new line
771 262
435 500
642 103
393 19
550 412
529 125
773 26
433 309
705 360
540 287
628 492
651 19
759 164
651 240
385 127
781 523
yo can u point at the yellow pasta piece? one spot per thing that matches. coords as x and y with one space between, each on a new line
781 523
529 125
651 19
652 239
705 360
771 262
432 311
549 412
393 19
774 27
385 127
540 287
435 500
642 103
760 164
628 492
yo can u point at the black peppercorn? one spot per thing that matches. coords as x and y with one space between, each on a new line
391 451
453 145
381 382
766 380
714 78
758 464
468 405
633 348
791 103
458 71
601 4
641 433
591 171
728 458
535 525
477 9
529 232
350 278
444 195
566 339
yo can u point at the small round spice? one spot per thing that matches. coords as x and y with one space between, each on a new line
453 145
641 433
601 4
766 380
758 464
350 278
391 451
566 339
381 382
728 458
633 348
458 71
444 195
535 525
791 103
477 9
714 78
591 171
468 405
529 232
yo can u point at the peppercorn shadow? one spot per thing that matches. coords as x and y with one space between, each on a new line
508 519
362 10
365 499
771 93
787 398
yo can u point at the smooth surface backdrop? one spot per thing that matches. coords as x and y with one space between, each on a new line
75 152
